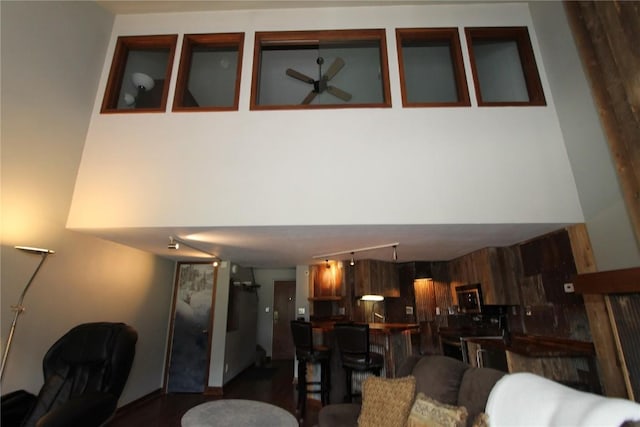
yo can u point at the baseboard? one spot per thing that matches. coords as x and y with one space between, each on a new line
133 405
213 391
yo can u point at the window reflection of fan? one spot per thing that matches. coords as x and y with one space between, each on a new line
321 84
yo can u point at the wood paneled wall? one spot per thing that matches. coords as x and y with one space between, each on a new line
607 34
530 275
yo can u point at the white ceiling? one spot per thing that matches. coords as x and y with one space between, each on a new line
287 246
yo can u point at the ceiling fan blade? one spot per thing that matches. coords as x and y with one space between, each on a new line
339 93
334 68
297 75
310 97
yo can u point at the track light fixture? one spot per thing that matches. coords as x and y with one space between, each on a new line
174 243
353 252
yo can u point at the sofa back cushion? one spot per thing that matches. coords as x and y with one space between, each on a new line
439 377
474 390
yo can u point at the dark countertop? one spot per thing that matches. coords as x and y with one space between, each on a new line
538 346
374 327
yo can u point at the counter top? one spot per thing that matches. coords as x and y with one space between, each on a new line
373 327
538 346
393 327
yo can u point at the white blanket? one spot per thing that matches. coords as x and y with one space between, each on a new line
524 399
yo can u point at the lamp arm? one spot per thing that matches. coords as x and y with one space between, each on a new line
18 309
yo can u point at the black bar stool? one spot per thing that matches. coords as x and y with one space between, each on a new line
306 352
353 343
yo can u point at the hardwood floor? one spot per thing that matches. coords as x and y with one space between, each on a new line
273 385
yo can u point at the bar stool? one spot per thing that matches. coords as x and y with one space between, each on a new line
353 343
306 352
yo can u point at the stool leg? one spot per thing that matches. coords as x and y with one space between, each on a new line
302 387
325 381
327 392
349 393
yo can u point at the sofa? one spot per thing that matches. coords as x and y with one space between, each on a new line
496 398
442 378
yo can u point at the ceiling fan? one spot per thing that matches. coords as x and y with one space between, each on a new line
321 84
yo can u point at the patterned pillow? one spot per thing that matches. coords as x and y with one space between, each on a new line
481 420
386 402
427 412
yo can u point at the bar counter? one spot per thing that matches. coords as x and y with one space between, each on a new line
392 340
536 346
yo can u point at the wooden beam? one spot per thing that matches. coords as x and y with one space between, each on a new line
608 282
609 364
606 34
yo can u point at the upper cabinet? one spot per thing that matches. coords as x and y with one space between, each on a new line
140 74
496 269
374 277
326 281
320 69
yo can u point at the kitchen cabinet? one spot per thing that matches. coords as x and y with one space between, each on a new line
373 277
496 269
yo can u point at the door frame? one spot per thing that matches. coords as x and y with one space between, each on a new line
167 359
293 314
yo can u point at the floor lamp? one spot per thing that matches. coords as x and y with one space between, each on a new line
19 308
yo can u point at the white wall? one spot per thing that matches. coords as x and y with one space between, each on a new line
500 165
606 217
52 56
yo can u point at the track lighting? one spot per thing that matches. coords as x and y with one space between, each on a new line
353 252
326 261
174 243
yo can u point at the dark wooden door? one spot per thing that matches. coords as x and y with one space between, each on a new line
284 305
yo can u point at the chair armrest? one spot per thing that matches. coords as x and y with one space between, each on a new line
15 406
87 410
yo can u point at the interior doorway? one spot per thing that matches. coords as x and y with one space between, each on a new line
190 348
284 303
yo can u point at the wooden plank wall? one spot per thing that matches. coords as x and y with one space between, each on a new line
531 276
607 34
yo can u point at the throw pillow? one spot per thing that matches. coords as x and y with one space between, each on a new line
427 412
386 402
481 420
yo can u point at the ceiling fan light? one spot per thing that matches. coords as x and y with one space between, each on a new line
142 81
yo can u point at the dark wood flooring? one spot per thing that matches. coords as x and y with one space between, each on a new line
273 385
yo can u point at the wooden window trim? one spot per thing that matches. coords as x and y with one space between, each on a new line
435 34
527 59
235 40
119 62
312 38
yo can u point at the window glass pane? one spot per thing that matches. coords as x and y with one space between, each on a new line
212 77
428 72
143 81
357 81
499 71
302 69
276 87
